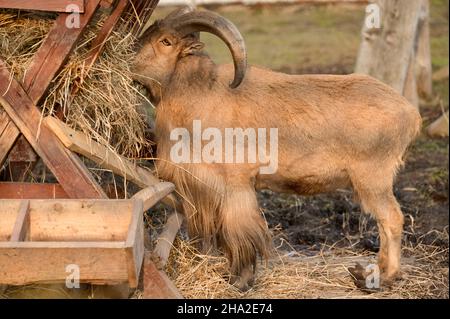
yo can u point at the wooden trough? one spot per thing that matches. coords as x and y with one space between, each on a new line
103 239
39 239
46 227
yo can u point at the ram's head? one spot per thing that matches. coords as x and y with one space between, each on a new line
175 37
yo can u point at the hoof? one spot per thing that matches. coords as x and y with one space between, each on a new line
241 283
361 279
365 279
242 286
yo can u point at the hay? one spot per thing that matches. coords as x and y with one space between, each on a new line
297 274
107 103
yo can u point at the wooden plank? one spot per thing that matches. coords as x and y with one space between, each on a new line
67 168
22 224
100 40
153 194
31 191
165 240
54 51
4 120
156 283
106 3
44 5
45 262
8 136
141 11
8 216
105 32
135 244
80 143
87 220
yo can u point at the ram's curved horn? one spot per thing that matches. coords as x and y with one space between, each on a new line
177 13
207 21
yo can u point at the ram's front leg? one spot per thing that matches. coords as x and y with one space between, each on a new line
243 233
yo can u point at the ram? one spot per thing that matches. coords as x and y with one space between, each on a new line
332 132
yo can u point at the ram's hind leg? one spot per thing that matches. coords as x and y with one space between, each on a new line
374 188
243 234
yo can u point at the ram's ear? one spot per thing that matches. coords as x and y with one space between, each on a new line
192 48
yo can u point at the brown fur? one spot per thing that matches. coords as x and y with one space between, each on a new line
333 132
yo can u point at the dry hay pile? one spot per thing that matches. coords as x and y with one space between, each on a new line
290 275
107 102
303 275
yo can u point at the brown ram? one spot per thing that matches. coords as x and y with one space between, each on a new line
333 132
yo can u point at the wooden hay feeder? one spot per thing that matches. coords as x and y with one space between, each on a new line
40 239
46 227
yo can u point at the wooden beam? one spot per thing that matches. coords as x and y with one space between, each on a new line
165 240
54 51
82 144
156 283
105 31
44 5
135 244
31 191
141 10
8 136
153 194
99 42
45 262
4 120
22 223
66 166
106 3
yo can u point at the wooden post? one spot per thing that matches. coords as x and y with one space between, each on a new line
44 5
67 168
166 238
156 283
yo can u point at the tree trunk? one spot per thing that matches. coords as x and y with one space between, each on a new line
423 55
410 89
388 52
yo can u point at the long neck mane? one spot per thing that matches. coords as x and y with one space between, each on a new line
192 73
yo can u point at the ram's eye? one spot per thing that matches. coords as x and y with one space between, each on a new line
166 42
